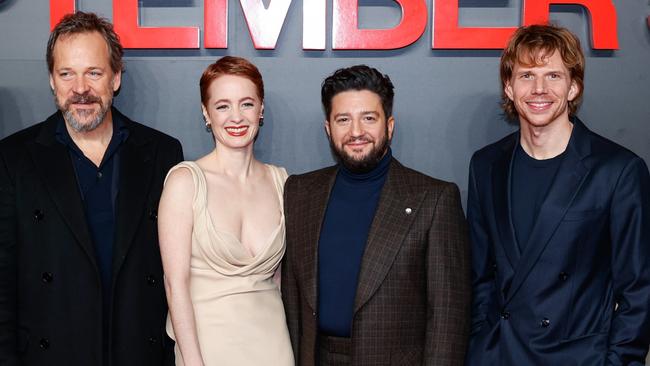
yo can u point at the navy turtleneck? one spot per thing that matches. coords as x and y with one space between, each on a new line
350 211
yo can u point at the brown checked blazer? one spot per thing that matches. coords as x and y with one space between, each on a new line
412 305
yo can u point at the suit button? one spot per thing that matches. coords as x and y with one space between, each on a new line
38 215
152 341
47 277
44 343
505 315
153 215
563 276
151 280
313 314
545 323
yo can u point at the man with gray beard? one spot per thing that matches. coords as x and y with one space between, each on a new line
81 280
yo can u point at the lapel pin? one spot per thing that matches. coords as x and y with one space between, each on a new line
408 210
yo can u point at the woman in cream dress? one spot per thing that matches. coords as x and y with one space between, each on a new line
221 228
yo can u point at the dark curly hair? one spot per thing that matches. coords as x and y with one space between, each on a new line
358 77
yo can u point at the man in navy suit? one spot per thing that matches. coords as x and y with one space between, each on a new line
560 224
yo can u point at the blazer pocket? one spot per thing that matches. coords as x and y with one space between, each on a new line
579 215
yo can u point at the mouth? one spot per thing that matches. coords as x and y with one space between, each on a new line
539 106
237 131
357 145
83 101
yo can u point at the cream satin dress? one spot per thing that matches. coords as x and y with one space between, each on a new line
237 306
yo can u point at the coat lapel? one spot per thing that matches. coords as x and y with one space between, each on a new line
136 170
565 186
387 232
52 161
317 193
501 192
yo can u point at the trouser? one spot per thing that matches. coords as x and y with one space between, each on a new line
334 351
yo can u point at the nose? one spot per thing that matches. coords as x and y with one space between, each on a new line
80 85
236 115
356 129
540 86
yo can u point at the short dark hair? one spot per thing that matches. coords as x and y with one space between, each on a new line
529 46
80 22
230 65
358 77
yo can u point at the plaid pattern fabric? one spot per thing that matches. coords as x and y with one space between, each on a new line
413 297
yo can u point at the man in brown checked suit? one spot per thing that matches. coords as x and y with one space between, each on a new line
376 270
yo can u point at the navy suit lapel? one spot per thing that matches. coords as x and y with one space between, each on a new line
387 232
136 172
53 163
501 170
565 186
318 193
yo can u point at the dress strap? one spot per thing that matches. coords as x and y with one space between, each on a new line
200 186
279 175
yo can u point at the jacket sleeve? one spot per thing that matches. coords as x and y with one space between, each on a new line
482 256
289 288
630 237
8 271
175 156
448 282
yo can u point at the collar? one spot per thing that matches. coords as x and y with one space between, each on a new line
120 131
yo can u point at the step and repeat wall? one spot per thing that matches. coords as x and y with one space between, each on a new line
446 100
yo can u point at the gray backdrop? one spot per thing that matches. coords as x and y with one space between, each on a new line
446 103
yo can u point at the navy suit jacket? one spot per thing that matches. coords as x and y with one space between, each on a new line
579 293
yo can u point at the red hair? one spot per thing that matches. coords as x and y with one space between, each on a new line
230 65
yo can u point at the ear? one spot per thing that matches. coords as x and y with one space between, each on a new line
327 128
117 80
205 113
508 90
51 81
574 89
262 111
390 125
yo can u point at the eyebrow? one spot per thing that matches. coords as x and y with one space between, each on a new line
228 100
551 71
347 114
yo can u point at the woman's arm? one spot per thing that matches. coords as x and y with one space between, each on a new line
175 220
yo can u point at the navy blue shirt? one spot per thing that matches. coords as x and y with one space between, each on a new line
98 187
530 182
350 211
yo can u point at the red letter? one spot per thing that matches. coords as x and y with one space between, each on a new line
215 23
447 33
347 35
265 24
125 21
602 14
313 24
59 8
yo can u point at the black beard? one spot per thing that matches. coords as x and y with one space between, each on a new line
367 163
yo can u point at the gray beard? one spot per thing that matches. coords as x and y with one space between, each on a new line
74 123
87 127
